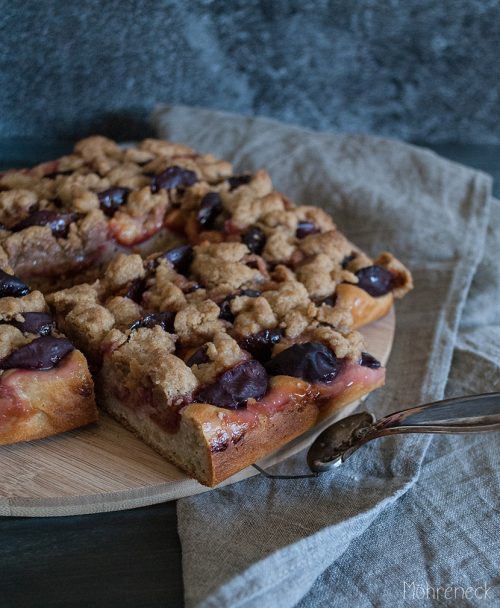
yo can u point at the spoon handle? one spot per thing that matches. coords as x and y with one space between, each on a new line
459 415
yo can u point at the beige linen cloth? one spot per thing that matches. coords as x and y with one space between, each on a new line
406 515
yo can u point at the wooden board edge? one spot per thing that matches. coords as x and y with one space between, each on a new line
155 494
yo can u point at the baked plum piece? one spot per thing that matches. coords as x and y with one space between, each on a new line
370 287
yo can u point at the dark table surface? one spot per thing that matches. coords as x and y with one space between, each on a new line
128 558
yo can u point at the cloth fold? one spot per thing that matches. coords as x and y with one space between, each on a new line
275 543
445 532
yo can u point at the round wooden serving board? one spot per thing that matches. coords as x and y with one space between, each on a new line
104 467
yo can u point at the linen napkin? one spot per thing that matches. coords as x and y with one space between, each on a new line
271 543
443 536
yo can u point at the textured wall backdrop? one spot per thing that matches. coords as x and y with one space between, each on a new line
416 69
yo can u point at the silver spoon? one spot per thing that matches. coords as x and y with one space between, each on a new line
469 414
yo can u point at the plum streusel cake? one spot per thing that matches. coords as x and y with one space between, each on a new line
220 319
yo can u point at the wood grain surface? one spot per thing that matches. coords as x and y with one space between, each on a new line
104 467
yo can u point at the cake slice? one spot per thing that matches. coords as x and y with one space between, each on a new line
213 377
67 216
45 384
214 430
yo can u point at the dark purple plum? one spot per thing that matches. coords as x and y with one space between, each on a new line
210 207
40 323
43 353
368 360
305 228
112 199
135 290
180 258
57 221
10 285
198 357
225 309
250 293
173 177
375 280
234 387
254 239
164 319
238 180
260 345
311 361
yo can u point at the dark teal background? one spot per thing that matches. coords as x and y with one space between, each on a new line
414 69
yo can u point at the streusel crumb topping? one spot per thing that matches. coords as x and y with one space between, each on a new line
222 353
222 266
12 338
252 315
189 258
146 359
198 321
122 270
32 302
15 205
